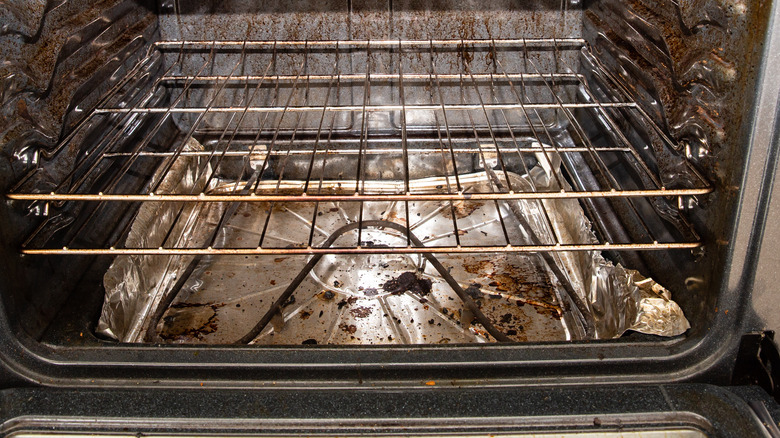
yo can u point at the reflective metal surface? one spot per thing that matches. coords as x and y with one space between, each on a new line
384 296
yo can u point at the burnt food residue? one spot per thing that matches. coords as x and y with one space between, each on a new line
408 281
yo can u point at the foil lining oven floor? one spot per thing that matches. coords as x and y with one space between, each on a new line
373 297
366 299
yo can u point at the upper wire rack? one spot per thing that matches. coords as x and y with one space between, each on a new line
302 115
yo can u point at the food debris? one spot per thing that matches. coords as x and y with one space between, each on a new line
408 281
347 302
360 312
474 290
351 328
289 301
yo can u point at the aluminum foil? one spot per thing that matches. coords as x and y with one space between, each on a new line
134 284
346 300
617 299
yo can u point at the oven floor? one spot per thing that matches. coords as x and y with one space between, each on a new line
366 299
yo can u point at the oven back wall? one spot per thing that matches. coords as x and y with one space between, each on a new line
364 19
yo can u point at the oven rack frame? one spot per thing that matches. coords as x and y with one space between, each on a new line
488 140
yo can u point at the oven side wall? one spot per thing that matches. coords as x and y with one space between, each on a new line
693 66
58 59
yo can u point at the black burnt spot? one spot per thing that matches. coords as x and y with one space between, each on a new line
474 291
188 322
408 281
346 302
289 301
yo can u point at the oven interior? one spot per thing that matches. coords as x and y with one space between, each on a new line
366 172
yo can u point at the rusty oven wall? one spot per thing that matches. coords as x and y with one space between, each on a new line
692 65
363 19
58 58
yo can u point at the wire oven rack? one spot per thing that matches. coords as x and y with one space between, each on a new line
437 101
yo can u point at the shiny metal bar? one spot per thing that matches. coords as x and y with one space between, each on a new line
368 250
523 108
445 171
177 153
370 108
601 166
548 221
125 166
360 175
376 151
359 197
337 68
363 120
573 43
499 156
130 76
358 77
487 168
112 138
498 139
226 148
328 142
319 131
643 115
148 138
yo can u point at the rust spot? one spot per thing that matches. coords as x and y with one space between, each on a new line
480 267
462 209
351 328
393 217
185 321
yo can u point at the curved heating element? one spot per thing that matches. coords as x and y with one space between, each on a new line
151 335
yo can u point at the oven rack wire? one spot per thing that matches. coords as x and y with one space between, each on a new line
489 135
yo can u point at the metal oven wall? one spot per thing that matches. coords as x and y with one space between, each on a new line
58 58
61 56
